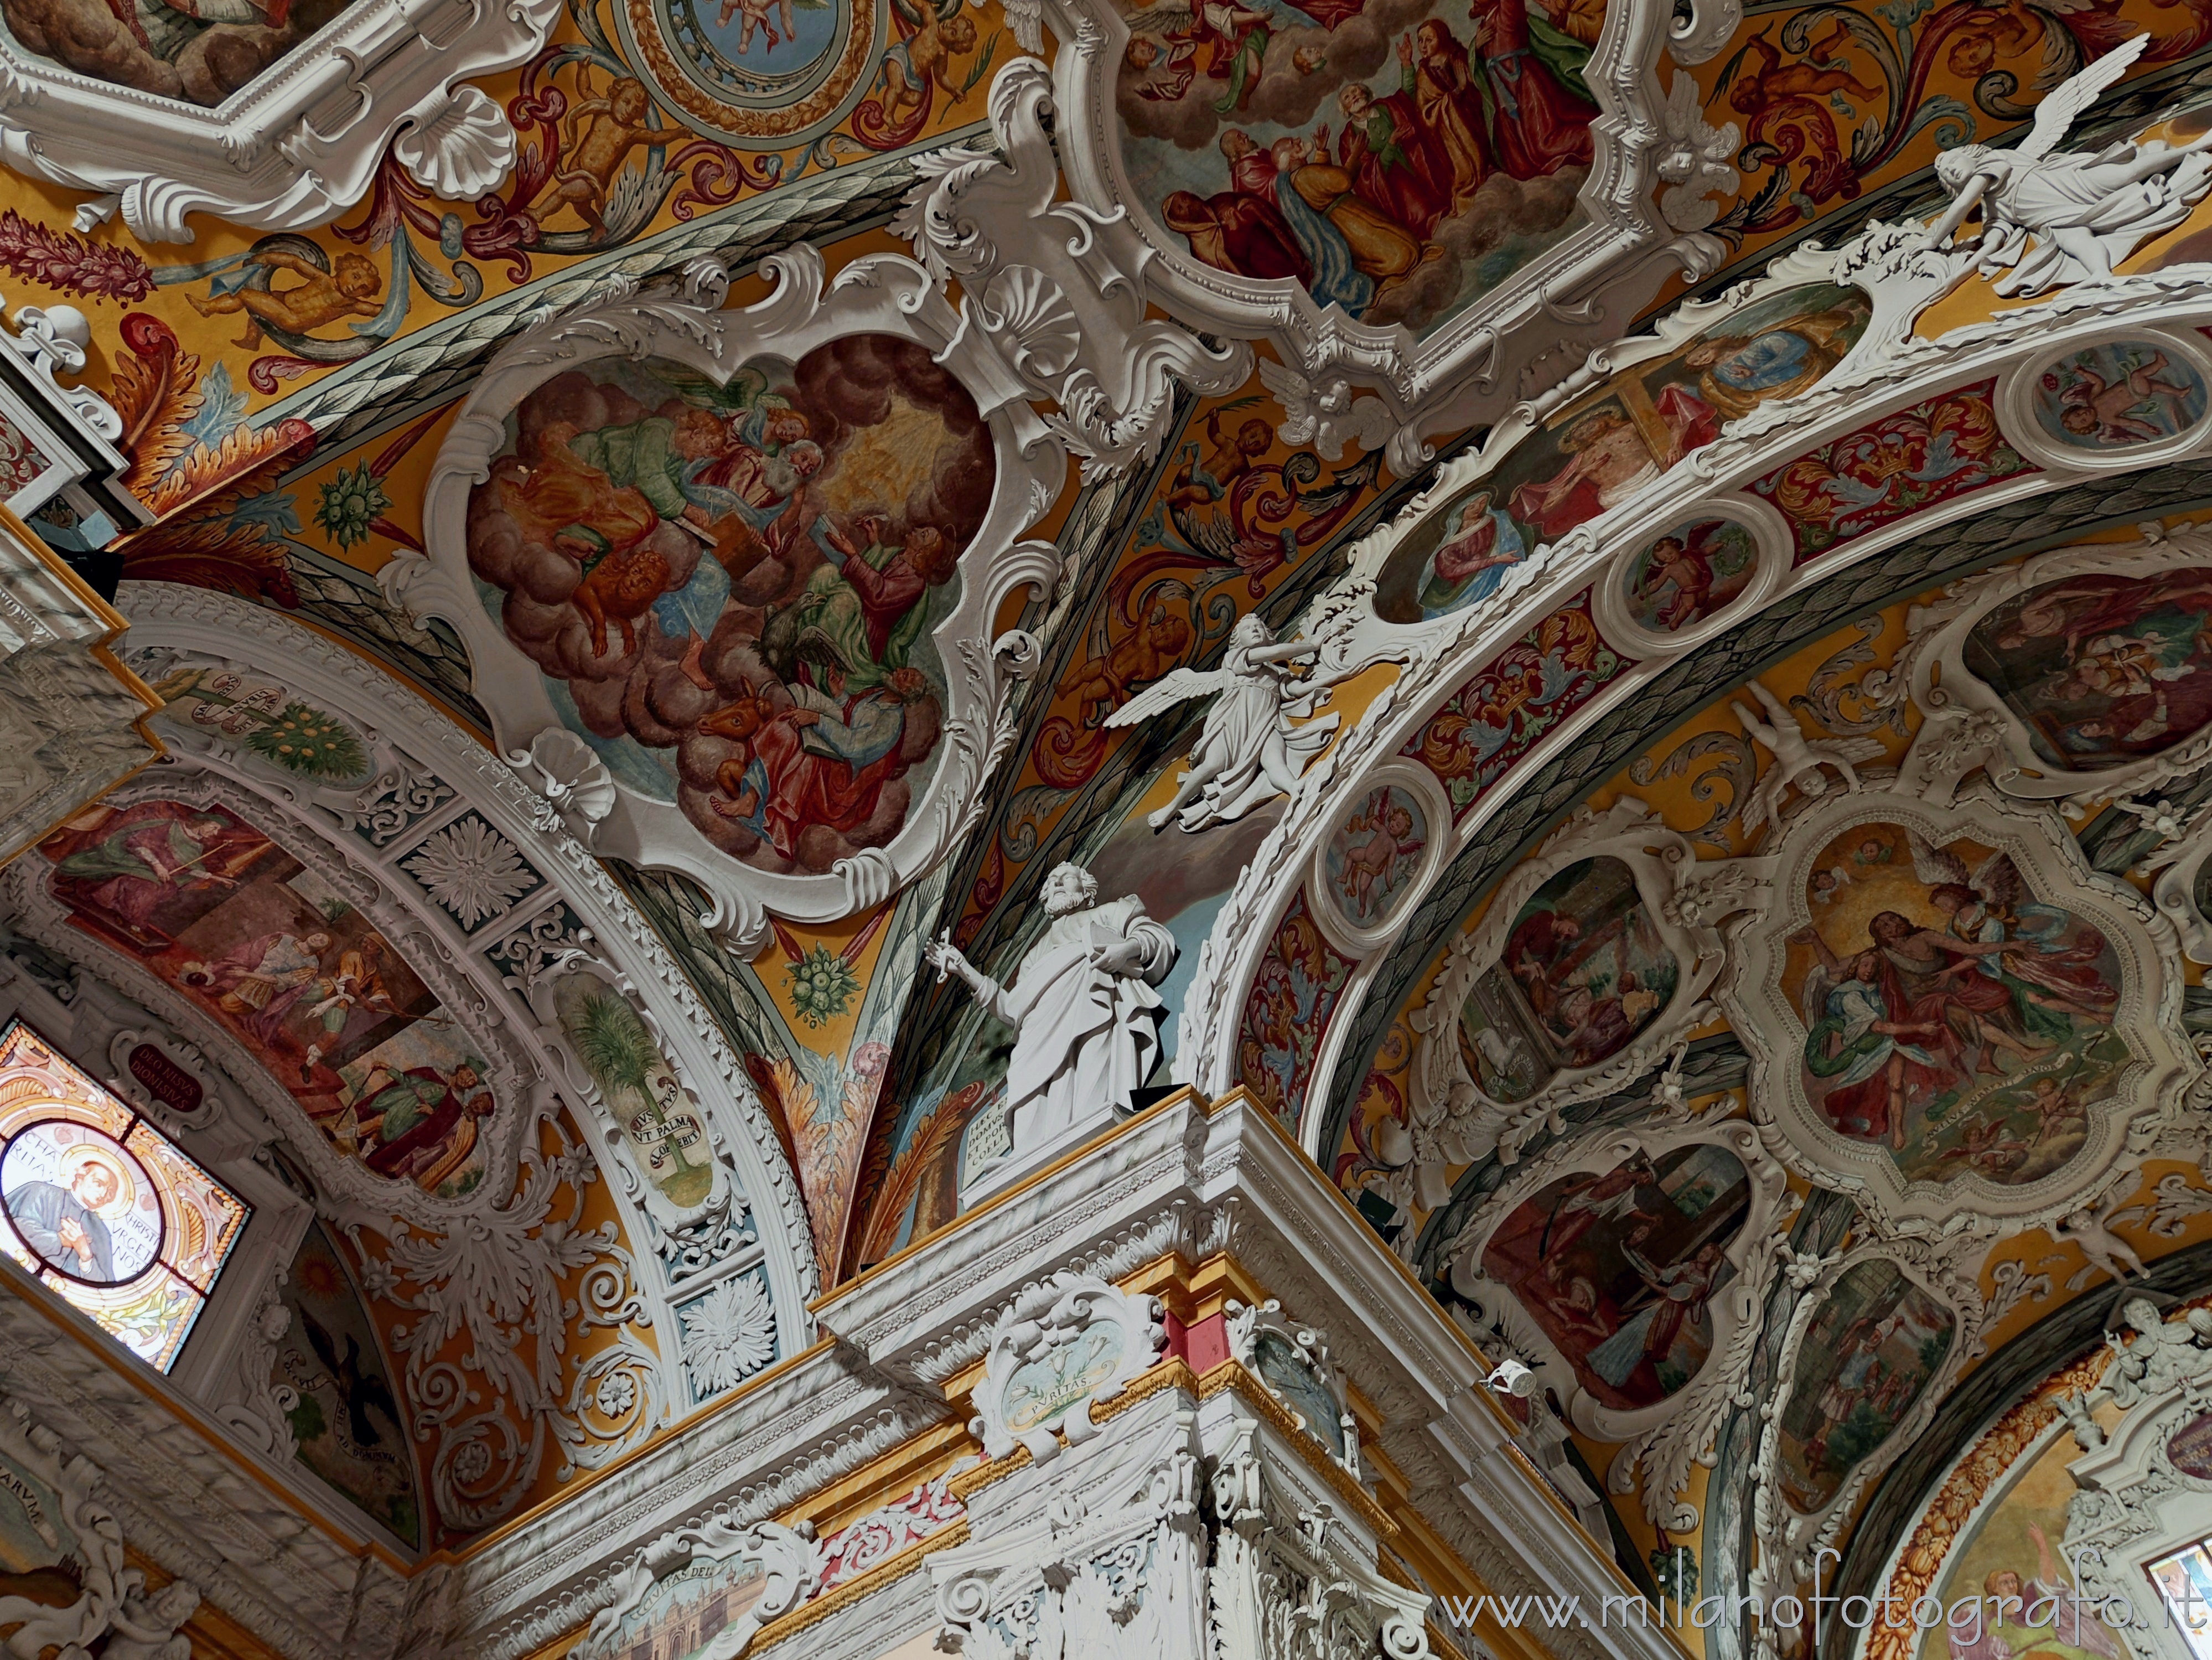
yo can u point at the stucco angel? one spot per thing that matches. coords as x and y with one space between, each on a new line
1248 751
2084 213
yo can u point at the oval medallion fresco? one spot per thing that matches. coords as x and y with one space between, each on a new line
731 590
1583 970
1600 450
1619 1267
1397 160
1693 571
1374 854
1951 1017
1868 1353
2119 395
762 73
2100 669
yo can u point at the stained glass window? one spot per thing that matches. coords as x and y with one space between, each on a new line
103 1207
2184 1583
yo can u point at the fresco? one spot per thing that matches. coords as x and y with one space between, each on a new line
1504 709
1294 991
1866 1356
105 1209
1460 140
292 971
1583 972
640 1089
1951 1017
1373 855
290 735
2011 1552
348 1423
1619 1267
199 50
731 590
1887 469
2118 394
2102 669
1689 573
1598 453
1454 559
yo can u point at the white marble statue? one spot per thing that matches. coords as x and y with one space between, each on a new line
2085 213
1248 751
1082 1005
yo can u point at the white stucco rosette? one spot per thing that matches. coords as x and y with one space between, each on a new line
686 326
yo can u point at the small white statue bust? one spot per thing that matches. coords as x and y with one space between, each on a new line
2082 213
1083 1007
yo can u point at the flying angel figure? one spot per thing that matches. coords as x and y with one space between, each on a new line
1797 759
1248 752
1995 882
2086 213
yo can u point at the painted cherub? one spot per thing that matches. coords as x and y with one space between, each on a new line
1374 857
910 65
755 12
321 296
2090 406
596 139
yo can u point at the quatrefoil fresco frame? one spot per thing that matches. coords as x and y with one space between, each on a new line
883 296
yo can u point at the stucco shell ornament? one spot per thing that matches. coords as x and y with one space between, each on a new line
755 647
1143 131
161 136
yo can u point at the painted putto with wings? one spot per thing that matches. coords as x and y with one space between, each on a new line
1248 751
2084 213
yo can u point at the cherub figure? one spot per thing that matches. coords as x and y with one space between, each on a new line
1374 858
925 56
1797 759
1137 659
1767 81
321 296
755 13
2090 406
2082 213
1248 751
1231 457
2091 1228
596 139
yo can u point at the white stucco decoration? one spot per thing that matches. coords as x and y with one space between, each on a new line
1062 1345
687 324
1667 1437
302 143
2052 217
1454 1119
1292 1362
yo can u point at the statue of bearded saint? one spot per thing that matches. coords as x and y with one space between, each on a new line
1084 1009
2051 217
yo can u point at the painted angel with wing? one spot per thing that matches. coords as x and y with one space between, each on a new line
2086 213
1249 753
2046 960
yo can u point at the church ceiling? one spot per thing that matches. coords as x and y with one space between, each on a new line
1682 709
